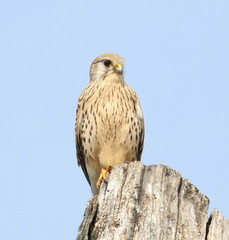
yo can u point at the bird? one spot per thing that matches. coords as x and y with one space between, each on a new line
109 126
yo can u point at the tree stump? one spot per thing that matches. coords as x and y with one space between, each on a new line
150 202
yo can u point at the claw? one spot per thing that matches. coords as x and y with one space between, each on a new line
102 175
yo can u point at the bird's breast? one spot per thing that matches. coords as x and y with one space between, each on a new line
114 107
110 125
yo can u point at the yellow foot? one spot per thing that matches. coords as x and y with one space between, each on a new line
102 175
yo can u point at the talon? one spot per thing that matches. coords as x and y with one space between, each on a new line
102 176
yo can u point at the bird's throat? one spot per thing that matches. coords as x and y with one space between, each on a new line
114 78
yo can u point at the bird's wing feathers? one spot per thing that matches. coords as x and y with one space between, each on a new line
142 128
79 148
140 117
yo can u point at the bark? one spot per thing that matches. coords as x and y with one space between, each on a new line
150 202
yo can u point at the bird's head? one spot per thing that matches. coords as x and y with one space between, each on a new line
107 67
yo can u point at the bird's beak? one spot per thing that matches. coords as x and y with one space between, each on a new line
119 68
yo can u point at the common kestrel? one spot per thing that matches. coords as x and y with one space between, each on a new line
109 125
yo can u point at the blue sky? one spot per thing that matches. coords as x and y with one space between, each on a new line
177 58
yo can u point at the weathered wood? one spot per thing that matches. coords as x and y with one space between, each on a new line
150 202
218 227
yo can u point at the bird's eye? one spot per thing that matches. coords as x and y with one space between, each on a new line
107 63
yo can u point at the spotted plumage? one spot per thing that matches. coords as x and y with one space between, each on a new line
109 121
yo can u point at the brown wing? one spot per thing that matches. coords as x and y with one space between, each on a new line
79 147
140 117
141 130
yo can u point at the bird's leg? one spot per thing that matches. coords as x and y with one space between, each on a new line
102 175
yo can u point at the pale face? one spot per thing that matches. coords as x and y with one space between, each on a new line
107 65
